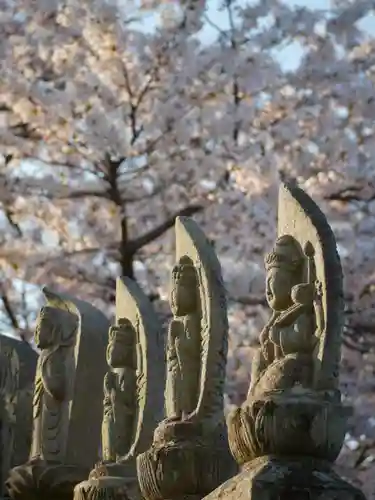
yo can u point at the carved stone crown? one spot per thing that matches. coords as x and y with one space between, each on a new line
286 254
184 272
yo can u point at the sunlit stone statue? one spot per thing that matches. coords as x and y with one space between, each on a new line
190 455
67 404
290 429
133 396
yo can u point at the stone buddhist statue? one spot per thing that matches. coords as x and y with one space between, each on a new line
9 390
119 405
67 403
55 336
290 429
290 335
190 454
22 400
184 341
133 396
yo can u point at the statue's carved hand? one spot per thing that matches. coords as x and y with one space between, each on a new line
303 294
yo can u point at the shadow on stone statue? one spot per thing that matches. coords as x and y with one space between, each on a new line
133 396
67 400
24 412
190 455
289 431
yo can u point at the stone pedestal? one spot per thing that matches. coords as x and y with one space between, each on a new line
107 488
39 480
184 462
286 478
289 423
110 481
287 442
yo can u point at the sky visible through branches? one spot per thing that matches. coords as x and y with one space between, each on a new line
253 103
110 127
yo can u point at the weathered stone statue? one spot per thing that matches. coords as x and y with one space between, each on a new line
9 386
291 427
133 396
190 454
67 403
184 341
27 360
119 405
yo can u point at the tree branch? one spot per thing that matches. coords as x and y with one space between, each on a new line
96 170
209 21
134 199
96 193
24 131
9 215
8 308
250 300
144 91
83 194
138 243
350 193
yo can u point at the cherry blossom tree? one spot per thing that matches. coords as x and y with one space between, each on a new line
116 116
85 99
109 129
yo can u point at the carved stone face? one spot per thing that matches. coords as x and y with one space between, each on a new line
54 325
284 267
279 284
120 350
184 288
45 326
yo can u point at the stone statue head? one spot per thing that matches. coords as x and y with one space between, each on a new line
285 269
121 345
184 288
55 327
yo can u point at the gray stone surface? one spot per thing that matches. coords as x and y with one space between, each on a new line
293 407
134 403
67 399
190 453
23 427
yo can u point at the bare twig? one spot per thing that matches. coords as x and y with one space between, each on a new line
9 215
138 243
250 300
8 308
89 193
350 193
